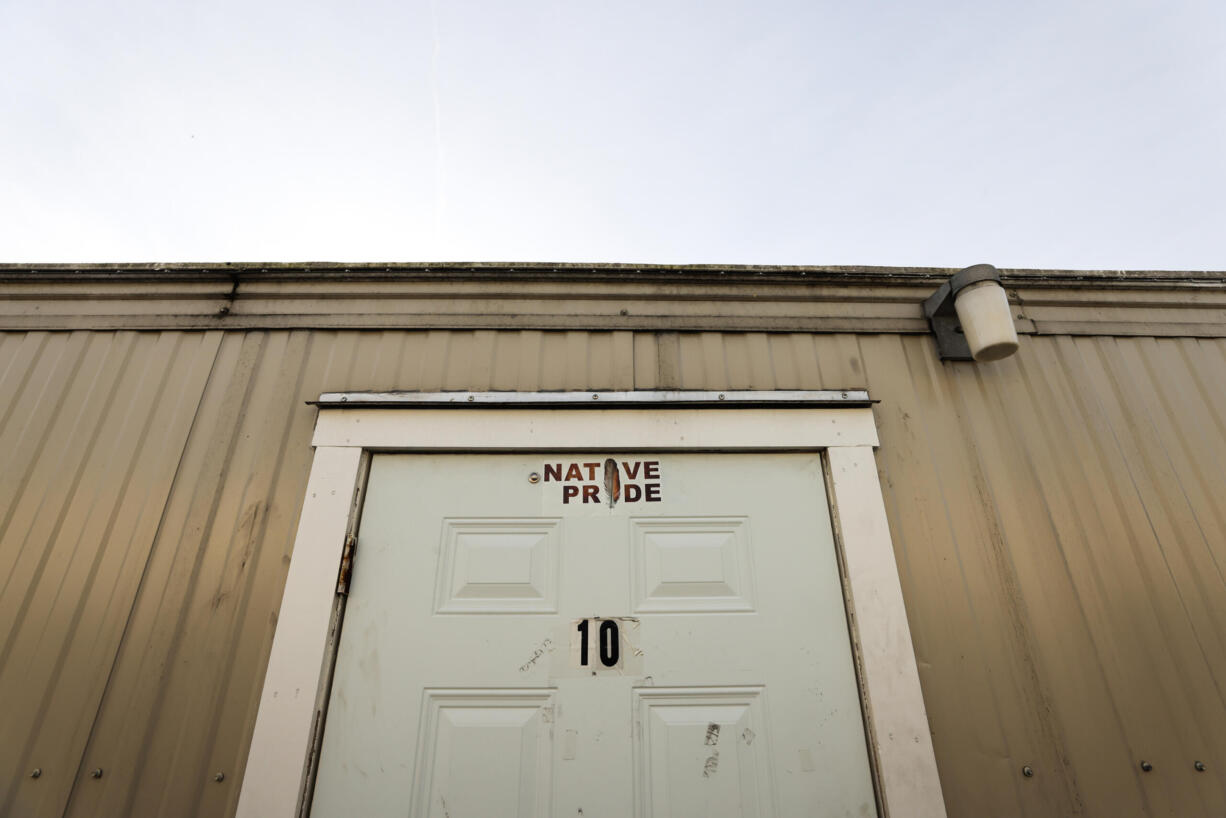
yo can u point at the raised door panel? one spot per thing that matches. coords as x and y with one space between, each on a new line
502 739
702 752
498 566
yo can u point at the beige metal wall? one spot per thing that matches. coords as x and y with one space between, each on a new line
1059 521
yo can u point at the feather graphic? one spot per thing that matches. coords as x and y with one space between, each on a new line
612 482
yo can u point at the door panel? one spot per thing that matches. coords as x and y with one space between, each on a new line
720 731
702 590
501 741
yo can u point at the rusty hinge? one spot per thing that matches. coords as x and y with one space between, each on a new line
342 578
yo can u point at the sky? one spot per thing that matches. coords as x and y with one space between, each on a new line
1074 134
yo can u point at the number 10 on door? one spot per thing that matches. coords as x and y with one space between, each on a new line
603 644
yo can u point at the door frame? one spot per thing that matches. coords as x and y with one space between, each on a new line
350 426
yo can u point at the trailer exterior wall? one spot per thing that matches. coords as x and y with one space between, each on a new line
1058 520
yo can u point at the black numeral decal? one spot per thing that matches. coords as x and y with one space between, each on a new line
609 648
583 643
610 642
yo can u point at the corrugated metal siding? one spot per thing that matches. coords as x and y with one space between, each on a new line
91 430
1058 519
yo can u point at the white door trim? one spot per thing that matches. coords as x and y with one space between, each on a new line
904 764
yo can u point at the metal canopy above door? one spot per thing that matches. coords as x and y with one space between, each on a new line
730 399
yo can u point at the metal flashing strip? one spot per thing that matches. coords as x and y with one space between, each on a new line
727 399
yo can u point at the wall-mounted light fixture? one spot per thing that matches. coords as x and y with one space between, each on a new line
970 316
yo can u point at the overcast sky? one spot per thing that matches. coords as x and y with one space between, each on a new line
1066 134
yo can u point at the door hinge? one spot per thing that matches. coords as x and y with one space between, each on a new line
346 572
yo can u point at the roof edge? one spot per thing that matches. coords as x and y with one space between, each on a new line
539 271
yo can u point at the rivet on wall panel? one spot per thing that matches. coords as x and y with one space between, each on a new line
97 772
38 771
1199 765
219 777
1146 766
1028 771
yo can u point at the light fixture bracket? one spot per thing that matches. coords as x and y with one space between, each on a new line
943 318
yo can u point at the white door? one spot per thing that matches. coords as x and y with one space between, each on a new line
566 634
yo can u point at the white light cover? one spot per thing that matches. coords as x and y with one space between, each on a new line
983 310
